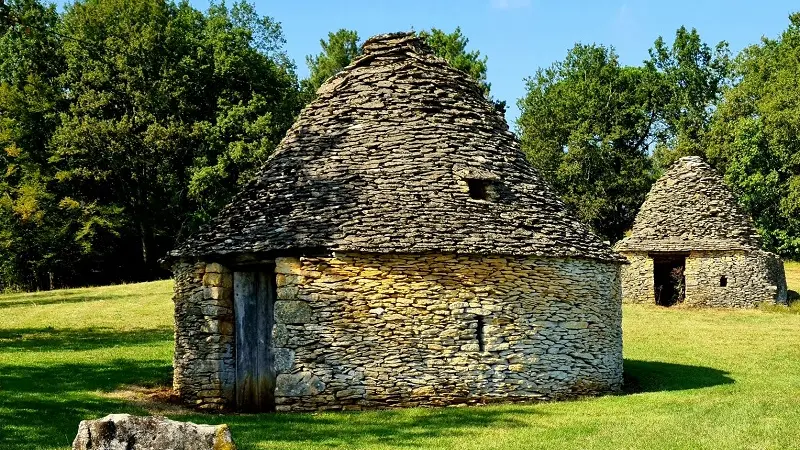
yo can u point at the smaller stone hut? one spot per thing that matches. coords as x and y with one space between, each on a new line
692 244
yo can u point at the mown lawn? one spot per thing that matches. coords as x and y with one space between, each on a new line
793 278
697 379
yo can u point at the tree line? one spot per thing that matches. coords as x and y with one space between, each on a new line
127 124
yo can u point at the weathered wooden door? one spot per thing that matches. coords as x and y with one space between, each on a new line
253 302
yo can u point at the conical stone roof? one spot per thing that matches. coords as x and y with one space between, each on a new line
382 161
690 208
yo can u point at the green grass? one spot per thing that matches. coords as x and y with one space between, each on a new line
697 379
793 277
793 284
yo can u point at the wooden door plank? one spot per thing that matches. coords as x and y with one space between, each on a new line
269 291
259 342
245 298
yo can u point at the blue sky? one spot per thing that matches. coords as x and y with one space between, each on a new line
519 36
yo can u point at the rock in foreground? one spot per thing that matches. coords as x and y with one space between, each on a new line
126 432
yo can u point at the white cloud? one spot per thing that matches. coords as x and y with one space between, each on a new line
510 4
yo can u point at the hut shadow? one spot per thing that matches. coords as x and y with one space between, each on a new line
409 428
655 376
41 405
78 339
60 297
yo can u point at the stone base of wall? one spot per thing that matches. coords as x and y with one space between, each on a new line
204 337
365 331
637 279
750 278
377 331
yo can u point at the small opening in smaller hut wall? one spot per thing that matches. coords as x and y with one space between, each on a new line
479 333
723 281
478 189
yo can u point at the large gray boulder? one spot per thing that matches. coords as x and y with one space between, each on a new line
126 432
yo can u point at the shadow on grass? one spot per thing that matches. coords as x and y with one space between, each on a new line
62 339
409 428
59 297
41 406
654 376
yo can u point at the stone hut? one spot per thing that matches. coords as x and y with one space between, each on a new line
395 250
692 244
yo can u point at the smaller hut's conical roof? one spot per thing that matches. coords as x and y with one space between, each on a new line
690 208
382 161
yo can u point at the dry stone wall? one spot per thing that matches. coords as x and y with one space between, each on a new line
749 278
637 279
366 331
359 331
204 335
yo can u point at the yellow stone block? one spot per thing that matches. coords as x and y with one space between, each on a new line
423 391
212 279
227 280
288 266
215 268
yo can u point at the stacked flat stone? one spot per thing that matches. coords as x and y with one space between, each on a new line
690 208
379 162
362 331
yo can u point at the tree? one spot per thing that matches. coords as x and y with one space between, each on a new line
590 125
35 236
452 47
692 78
341 48
344 46
125 125
586 124
754 138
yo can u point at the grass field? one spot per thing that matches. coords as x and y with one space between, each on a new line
697 379
793 277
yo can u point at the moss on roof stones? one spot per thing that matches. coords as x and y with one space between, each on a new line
690 208
380 162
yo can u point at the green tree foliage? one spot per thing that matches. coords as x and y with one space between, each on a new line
126 124
155 113
755 138
343 46
452 47
586 124
692 78
589 124
35 232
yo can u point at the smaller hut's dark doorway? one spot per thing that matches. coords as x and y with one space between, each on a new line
254 294
668 278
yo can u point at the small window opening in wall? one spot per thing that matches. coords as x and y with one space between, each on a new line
478 189
723 281
479 333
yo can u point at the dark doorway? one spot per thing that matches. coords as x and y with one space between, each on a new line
253 303
668 278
